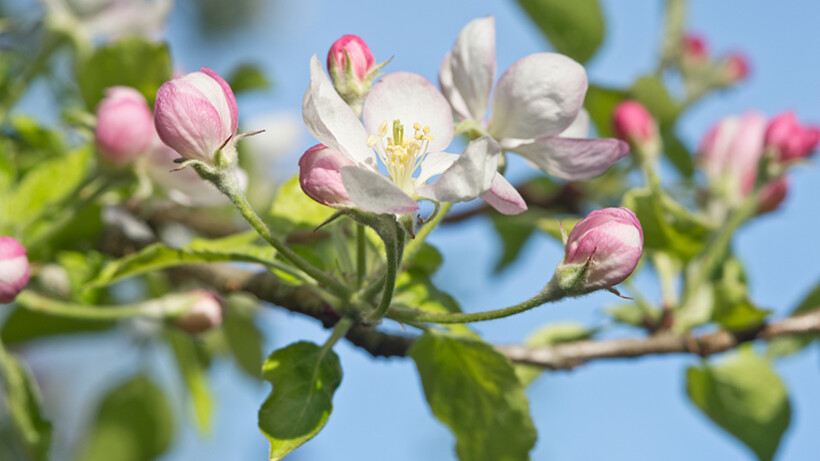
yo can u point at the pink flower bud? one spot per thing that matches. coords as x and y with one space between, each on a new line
361 58
14 270
789 138
773 194
631 122
196 115
205 313
730 154
321 178
695 48
125 126
601 251
736 67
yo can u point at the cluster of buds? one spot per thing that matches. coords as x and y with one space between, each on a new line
352 69
632 122
601 251
737 150
14 269
700 69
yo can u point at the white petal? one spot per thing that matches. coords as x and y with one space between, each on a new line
473 65
412 99
579 127
374 193
330 120
445 80
573 159
469 176
434 164
539 95
504 197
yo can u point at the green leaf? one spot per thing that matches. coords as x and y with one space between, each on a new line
667 226
415 290
651 92
473 390
514 231
427 260
547 336
733 310
677 153
23 326
133 62
292 209
134 422
234 248
634 314
304 379
745 397
552 226
600 102
781 347
194 374
22 400
248 77
574 28
243 336
46 185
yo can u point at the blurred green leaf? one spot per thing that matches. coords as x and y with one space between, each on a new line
667 226
552 226
304 379
37 136
745 397
292 209
650 91
238 247
548 335
781 347
634 314
677 153
574 28
514 231
133 62
244 337
415 290
134 422
248 77
427 260
733 310
22 400
472 389
194 374
600 102
23 326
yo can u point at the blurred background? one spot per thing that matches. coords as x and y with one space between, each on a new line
619 409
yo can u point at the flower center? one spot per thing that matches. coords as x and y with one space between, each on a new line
401 154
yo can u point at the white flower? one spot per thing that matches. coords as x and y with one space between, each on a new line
407 125
536 109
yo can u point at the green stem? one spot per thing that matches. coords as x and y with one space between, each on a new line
393 246
361 255
415 245
227 184
339 331
550 293
166 307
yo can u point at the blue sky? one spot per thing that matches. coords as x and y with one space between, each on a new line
634 410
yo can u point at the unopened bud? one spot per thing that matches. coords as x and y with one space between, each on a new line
773 194
321 178
695 50
196 115
789 139
205 313
352 68
735 68
601 251
125 126
14 269
633 123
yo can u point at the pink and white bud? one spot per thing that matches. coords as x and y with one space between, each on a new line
736 67
321 178
601 251
196 115
205 313
14 269
361 58
695 49
773 194
633 123
125 126
789 138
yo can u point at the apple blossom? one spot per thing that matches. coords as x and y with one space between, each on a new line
343 170
633 123
536 107
789 138
206 312
197 116
14 269
601 251
125 126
